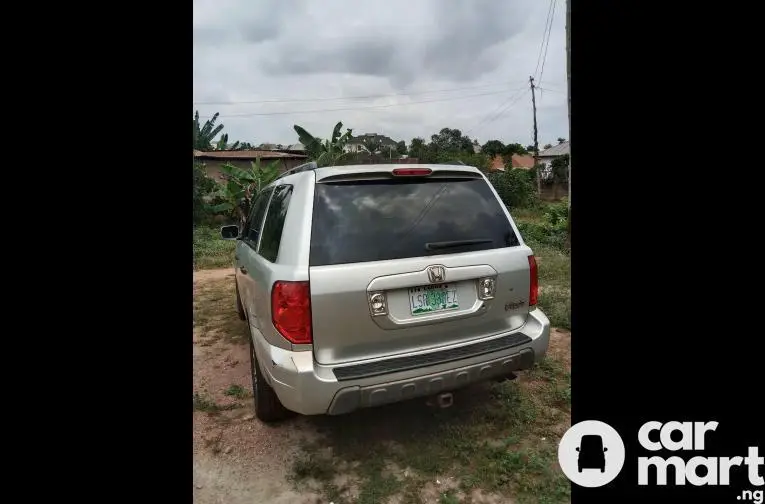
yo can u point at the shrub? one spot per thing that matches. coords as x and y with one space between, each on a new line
515 187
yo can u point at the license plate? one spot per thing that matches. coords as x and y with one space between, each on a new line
433 299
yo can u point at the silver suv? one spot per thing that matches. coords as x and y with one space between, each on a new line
366 285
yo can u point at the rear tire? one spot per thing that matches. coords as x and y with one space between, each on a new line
239 307
268 408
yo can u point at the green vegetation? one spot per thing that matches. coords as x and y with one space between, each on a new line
502 438
211 251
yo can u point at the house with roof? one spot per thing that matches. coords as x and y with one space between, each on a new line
546 156
359 143
213 160
521 162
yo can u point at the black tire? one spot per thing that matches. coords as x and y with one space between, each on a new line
268 408
239 307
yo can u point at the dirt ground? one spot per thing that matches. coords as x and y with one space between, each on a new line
238 459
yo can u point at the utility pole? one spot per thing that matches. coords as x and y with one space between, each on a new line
568 85
536 141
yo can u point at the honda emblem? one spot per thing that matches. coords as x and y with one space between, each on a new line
436 274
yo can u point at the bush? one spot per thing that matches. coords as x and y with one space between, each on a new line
515 187
552 232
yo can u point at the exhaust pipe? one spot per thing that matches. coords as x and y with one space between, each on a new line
444 400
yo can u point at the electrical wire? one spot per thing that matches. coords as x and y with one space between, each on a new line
547 43
338 98
503 107
371 107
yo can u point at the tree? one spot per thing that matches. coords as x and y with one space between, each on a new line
224 145
561 140
204 190
451 140
204 135
401 148
530 148
493 148
242 186
417 149
546 146
559 172
327 152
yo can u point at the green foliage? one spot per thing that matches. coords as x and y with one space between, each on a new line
401 148
552 231
204 191
560 169
204 134
493 148
242 186
515 187
328 152
210 251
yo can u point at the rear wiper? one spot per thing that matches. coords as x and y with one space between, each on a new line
455 243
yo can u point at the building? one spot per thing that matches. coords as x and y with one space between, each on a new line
546 156
359 143
522 162
213 160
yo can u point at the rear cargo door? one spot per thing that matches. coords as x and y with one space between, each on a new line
400 264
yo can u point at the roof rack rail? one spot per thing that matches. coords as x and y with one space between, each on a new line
300 168
455 162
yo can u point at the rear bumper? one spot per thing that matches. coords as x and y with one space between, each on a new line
309 388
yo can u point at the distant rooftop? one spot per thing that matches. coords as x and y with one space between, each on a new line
556 150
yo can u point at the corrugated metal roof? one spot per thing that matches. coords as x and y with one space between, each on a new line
556 150
247 154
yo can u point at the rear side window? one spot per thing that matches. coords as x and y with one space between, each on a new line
378 220
274 225
253 225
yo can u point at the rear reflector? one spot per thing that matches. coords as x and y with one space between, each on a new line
291 311
534 281
412 172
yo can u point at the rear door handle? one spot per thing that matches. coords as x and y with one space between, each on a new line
243 269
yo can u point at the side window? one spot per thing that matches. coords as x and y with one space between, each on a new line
274 225
255 221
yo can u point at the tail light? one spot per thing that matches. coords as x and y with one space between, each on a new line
291 311
412 172
534 281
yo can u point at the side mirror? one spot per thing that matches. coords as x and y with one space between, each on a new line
229 232
605 449
577 448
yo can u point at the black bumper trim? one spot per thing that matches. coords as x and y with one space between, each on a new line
395 365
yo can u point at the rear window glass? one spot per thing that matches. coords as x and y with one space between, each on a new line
379 220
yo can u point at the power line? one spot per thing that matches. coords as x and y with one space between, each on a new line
338 98
371 107
547 44
544 34
503 107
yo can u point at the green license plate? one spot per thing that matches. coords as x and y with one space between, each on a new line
433 299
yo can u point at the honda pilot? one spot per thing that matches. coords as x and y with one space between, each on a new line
366 285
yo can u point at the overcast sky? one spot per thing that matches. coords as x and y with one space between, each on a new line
395 67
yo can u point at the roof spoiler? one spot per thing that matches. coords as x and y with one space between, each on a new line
300 168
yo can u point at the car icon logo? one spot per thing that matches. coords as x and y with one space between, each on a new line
591 453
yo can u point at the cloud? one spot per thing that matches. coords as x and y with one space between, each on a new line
401 68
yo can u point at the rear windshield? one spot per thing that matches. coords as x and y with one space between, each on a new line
378 220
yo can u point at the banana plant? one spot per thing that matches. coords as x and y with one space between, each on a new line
242 186
325 152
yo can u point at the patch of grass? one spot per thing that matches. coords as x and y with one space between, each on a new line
237 391
555 285
210 250
449 497
500 437
215 312
209 406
